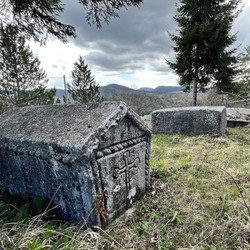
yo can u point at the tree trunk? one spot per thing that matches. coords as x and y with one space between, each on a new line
195 88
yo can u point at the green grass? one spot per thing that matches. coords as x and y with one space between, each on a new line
199 199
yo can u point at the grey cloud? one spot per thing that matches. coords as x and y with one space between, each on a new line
125 62
241 29
139 36
54 66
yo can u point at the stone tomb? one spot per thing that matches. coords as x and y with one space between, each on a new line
91 160
238 117
190 121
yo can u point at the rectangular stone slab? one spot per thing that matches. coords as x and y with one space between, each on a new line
238 117
190 121
91 160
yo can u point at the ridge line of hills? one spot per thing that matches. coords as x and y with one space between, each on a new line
112 89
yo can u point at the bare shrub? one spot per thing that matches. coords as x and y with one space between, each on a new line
211 98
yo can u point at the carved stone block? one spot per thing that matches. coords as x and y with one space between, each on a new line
91 160
190 121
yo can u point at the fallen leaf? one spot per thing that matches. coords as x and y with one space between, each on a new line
105 215
154 240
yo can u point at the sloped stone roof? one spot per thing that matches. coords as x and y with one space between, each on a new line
65 125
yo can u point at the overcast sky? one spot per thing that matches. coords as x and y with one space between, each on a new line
130 51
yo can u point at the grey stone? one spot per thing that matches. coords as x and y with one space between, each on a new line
89 159
238 117
190 121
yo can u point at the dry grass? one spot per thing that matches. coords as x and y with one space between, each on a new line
195 203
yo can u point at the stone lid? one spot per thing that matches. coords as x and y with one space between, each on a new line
238 114
65 125
214 108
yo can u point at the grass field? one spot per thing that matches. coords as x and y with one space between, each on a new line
199 199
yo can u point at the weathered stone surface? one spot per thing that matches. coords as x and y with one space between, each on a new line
190 121
238 117
90 159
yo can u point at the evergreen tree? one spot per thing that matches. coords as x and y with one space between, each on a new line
37 19
58 101
22 81
203 55
83 87
243 78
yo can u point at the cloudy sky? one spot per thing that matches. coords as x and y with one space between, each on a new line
130 51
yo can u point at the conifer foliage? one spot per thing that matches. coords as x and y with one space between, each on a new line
37 19
22 81
243 78
83 88
202 45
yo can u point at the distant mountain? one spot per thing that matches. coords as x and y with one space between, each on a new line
162 89
60 93
105 91
146 89
112 89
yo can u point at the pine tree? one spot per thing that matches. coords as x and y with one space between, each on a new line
203 56
83 87
243 78
37 19
22 81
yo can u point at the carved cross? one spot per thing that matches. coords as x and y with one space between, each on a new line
126 168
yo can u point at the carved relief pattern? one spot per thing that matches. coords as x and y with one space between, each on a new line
119 146
123 145
129 165
147 158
